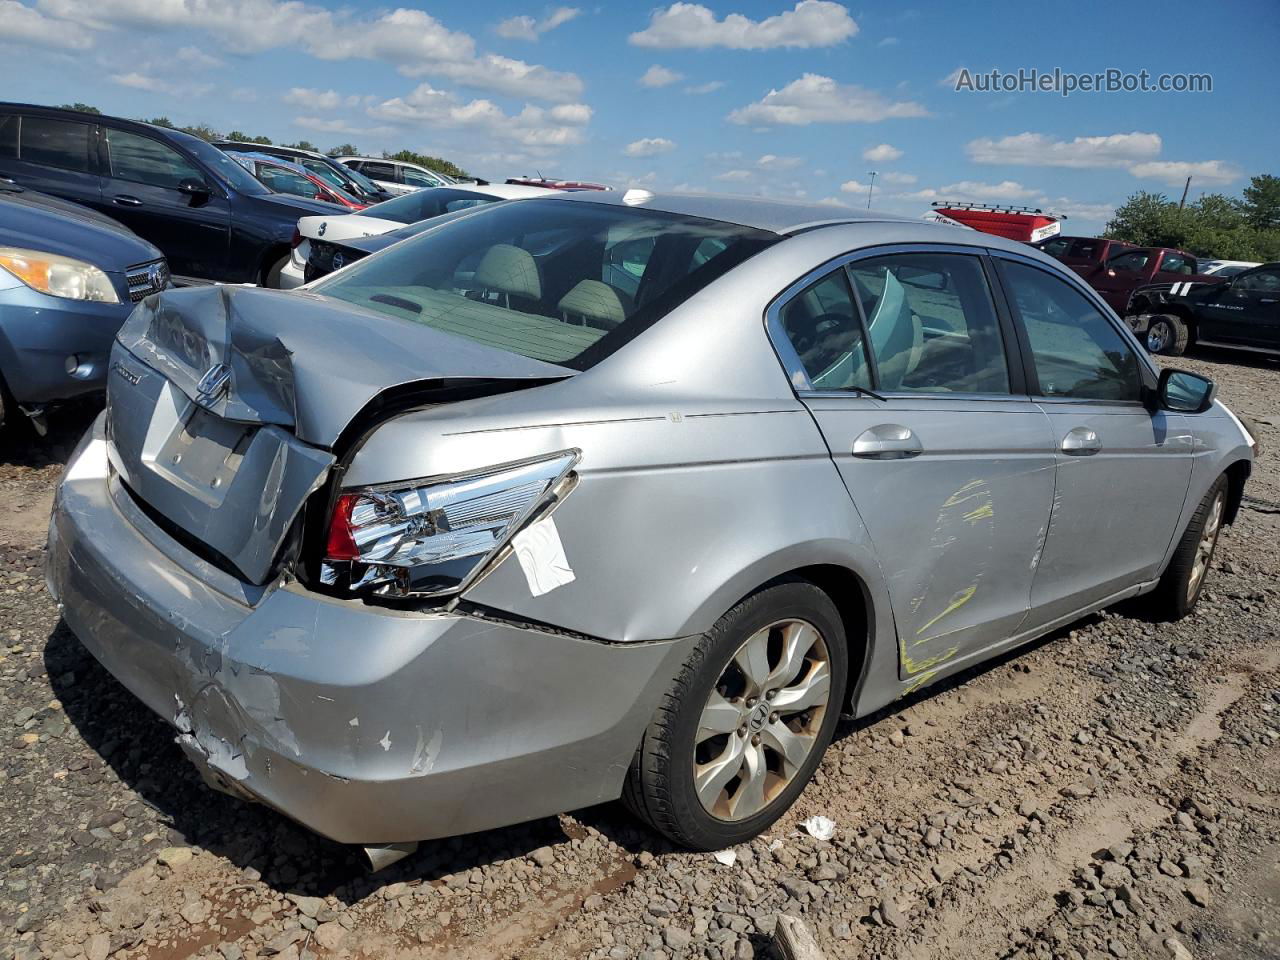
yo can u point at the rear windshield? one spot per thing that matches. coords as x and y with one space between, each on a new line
425 204
564 282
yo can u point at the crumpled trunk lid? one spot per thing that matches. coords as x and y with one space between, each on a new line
225 405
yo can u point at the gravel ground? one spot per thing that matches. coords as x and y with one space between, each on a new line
1112 791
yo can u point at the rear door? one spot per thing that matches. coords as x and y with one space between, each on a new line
1121 273
1122 469
142 191
952 471
52 155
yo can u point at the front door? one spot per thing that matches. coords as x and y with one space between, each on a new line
950 469
1245 312
1122 470
142 192
1120 274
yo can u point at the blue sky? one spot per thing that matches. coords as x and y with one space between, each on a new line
775 97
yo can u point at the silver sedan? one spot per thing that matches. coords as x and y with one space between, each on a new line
616 495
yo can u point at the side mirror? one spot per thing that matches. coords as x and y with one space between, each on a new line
193 187
1184 392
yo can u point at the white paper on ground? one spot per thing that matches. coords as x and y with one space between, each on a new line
541 556
820 828
727 857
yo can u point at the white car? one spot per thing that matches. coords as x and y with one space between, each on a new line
1226 268
396 176
392 215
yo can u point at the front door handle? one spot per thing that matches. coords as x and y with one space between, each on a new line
1081 442
887 441
125 200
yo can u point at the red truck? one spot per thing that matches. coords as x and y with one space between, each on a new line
1117 269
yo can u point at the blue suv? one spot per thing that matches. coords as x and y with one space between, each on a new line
208 215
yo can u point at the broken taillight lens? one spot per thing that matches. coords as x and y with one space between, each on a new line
430 537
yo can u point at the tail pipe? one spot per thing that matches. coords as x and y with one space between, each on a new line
384 855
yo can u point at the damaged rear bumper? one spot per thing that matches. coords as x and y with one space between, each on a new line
365 724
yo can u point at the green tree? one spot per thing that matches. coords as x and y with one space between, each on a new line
82 107
344 150
447 167
1149 220
245 138
1262 201
304 145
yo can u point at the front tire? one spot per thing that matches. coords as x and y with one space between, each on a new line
744 725
271 278
1183 580
1167 335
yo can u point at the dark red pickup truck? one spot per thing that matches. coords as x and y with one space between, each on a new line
1116 269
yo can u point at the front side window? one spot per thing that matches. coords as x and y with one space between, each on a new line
143 160
416 178
824 329
1177 263
9 135
1266 280
1076 351
931 324
527 277
55 143
286 181
1131 261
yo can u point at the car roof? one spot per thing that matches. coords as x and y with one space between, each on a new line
122 123
777 216
267 148
506 191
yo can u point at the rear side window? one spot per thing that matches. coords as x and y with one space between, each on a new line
9 135
1177 263
1131 261
931 324
55 143
417 178
143 160
1076 351
824 329
286 181
378 171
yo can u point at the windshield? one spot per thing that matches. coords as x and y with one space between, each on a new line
225 167
553 280
425 204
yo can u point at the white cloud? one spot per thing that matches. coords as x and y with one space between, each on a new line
139 80
22 24
649 146
413 41
817 99
811 23
854 186
734 176
525 27
321 99
1043 150
1093 212
711 86
541 131
657 76
1006 191
195 57
834 202
330 125
883 153
772 162
888 42
950 79
1205 173
898 179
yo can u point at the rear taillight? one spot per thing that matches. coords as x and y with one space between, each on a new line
297 239
431 537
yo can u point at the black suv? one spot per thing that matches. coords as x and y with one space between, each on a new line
326 168
206 213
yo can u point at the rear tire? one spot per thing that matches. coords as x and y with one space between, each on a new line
1167 335
1183 580
744 725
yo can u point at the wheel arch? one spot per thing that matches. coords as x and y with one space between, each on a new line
1237 473
273 254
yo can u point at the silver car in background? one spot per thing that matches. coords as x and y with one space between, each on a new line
608 495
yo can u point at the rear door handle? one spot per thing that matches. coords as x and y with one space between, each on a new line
1081 442
126 201
887 441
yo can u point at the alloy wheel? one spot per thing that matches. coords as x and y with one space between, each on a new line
762 719
1204 549
1157 337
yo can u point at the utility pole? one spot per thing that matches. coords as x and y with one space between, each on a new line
1187 186
872 175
